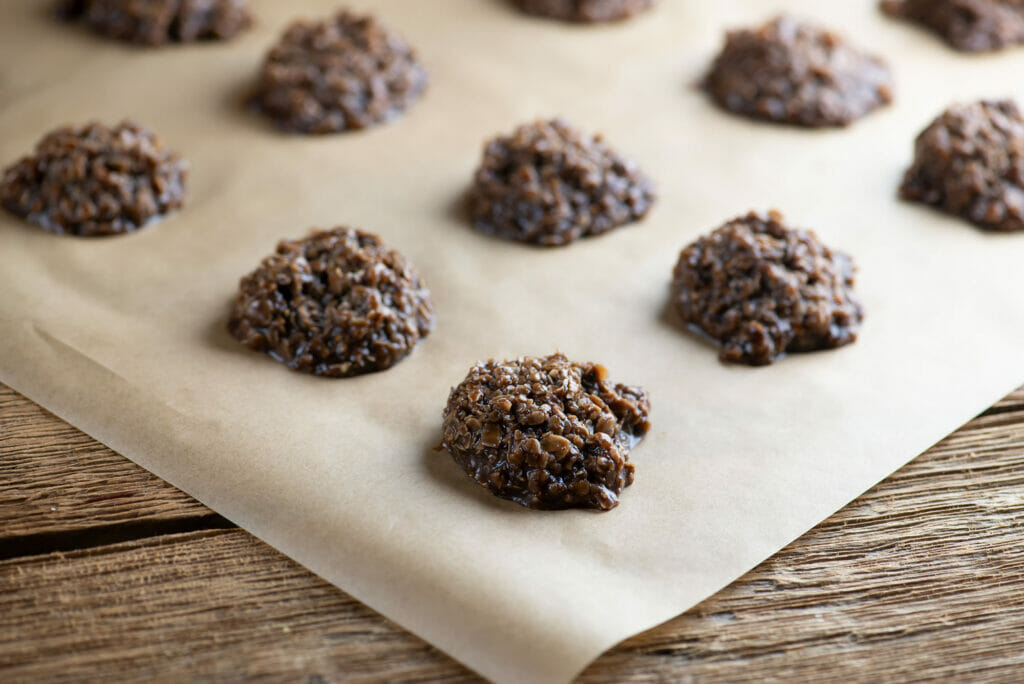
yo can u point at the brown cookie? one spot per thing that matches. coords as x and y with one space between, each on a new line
967 25
336 303
794 72
548 184
156 22
95 180
969 162
586 11
546 432
347 72
762 289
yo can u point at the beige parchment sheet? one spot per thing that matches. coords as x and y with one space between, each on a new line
125 337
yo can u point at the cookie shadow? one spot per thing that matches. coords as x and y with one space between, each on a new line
240 102
440 467
216 335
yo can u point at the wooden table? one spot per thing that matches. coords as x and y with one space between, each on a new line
106 572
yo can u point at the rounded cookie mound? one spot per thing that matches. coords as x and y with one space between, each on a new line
970 162
347 72
546 432
588 11
93 180
156 22
336 303
967 25
762 289
794 72
549 185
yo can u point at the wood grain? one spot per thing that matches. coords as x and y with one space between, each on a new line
920 578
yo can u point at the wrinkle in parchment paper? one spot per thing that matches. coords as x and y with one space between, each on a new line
341 475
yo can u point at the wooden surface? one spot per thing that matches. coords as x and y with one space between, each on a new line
106 572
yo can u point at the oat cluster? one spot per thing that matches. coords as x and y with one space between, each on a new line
585 11
156 22
546 432
794 72
336 303
346 72
970 162
548 184
94 180
762 289
967 25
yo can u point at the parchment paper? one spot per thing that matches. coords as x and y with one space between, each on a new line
125 337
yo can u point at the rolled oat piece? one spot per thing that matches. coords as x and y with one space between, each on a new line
762 289
795 72
969 162
336 303
157 22
93 180
344 73
585 11
966 25
546 432
549 185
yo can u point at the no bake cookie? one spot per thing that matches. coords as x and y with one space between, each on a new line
546 432
762 289
336 303
967 25
969 162
548 184
93 180
346 72
795 72
156 22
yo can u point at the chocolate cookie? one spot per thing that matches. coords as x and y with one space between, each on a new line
549 185
546 432
762 289
336 303
95 180
967 25
970 162
587 11
347 72
794 72
156 22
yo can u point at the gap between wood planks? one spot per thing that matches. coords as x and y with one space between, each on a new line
919 578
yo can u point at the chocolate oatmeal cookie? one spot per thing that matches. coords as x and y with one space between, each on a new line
347 72
549 185
546 432
970 162
156 22
794 72
93 180
336 303
967 25
762 289
587 11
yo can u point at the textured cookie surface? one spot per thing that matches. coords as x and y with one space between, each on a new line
548 184
546 432
587 11
94 180
794 72
336 303
967 25
762 289
970 162
156 22
347 72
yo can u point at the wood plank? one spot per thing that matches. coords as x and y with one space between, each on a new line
56 481
919 578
